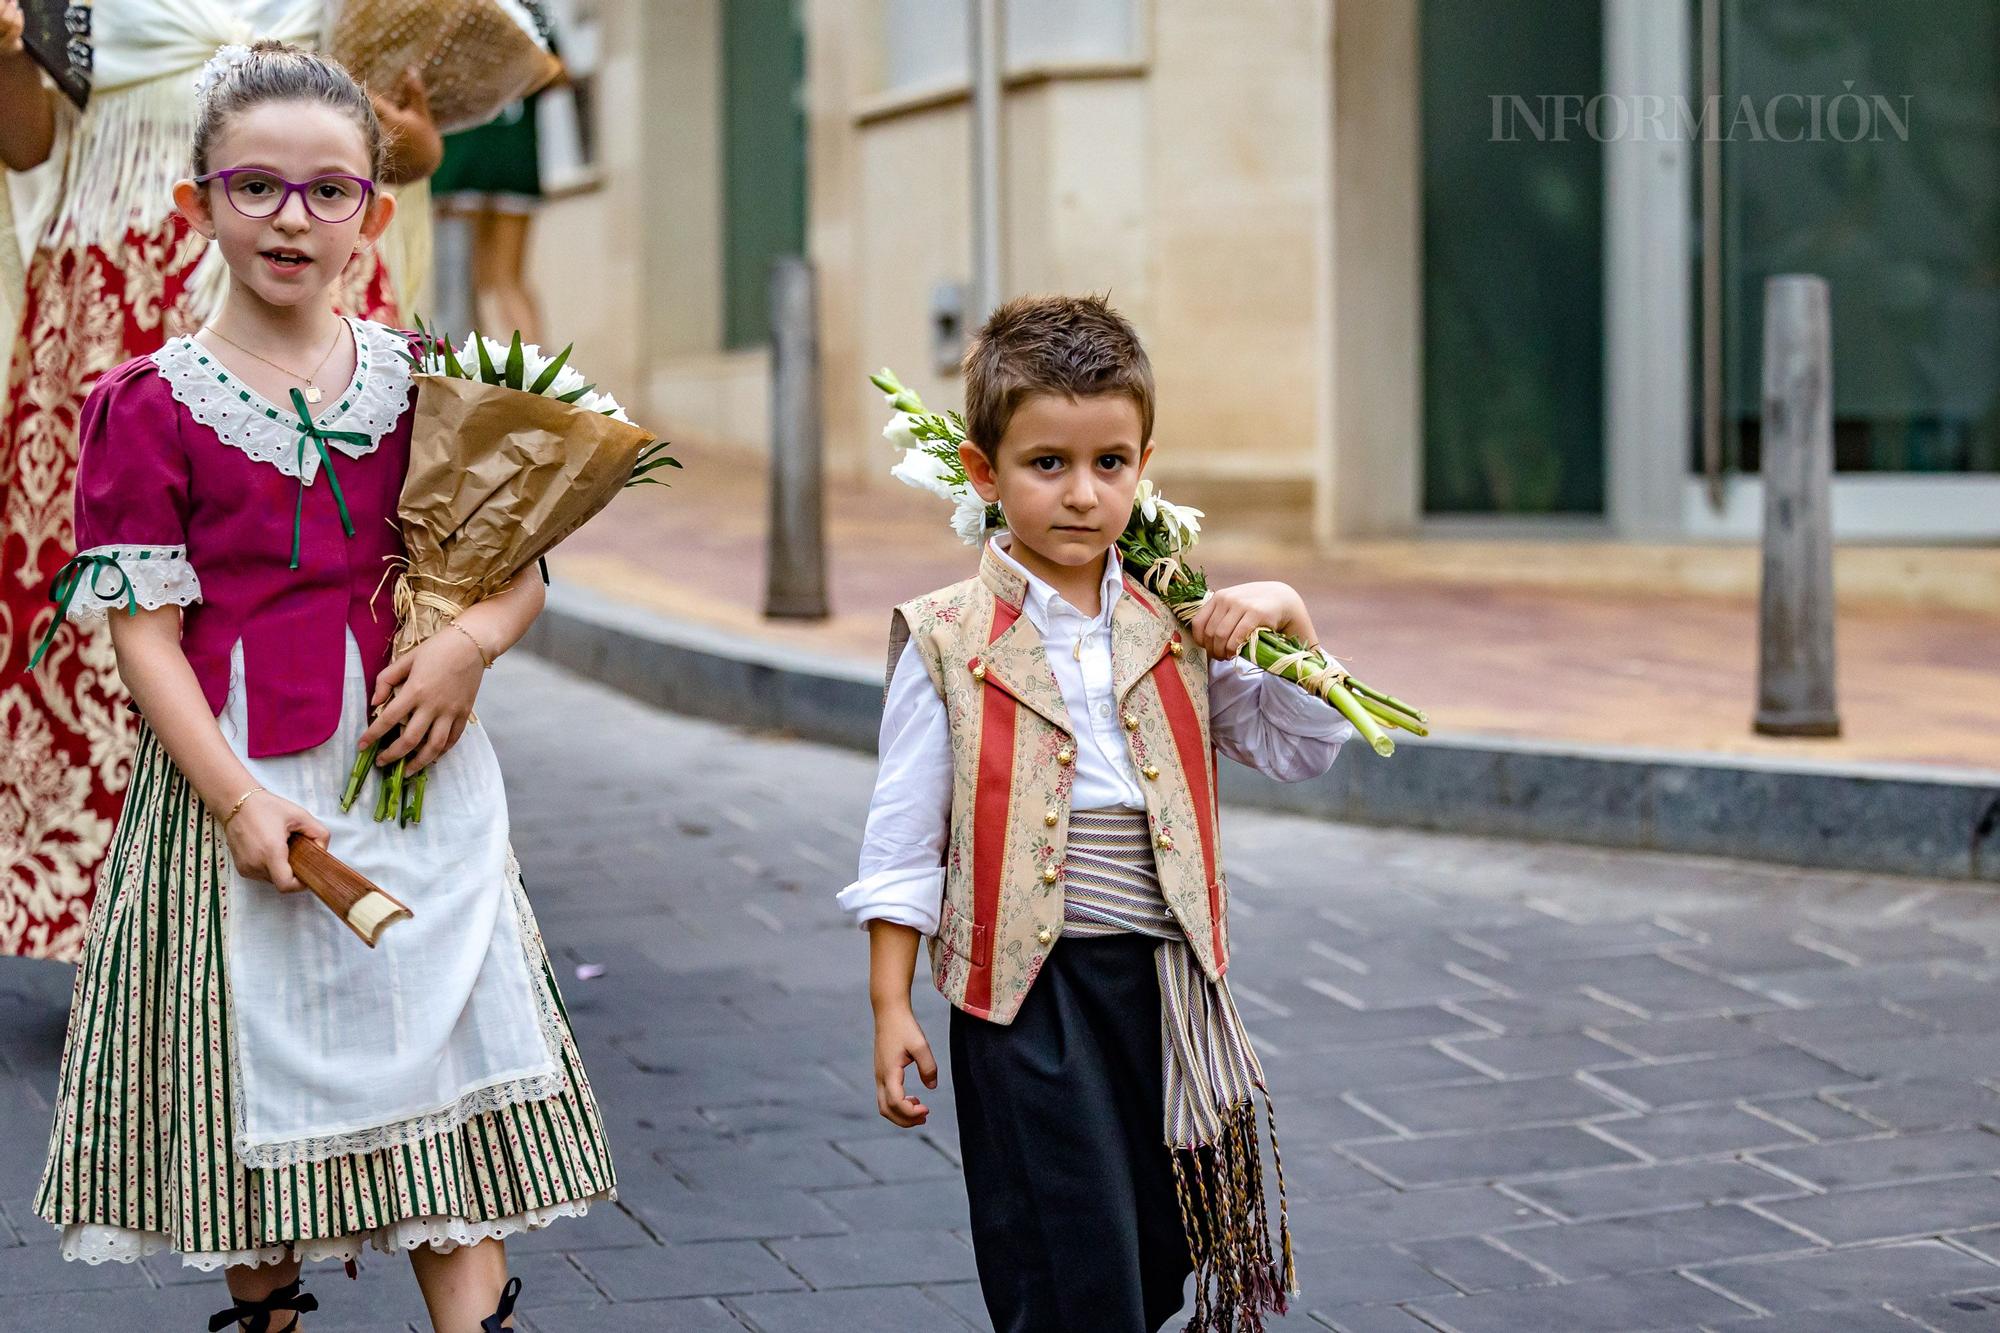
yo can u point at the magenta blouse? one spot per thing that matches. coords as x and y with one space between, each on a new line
187 489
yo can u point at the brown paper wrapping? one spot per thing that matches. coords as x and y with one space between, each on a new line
497 477
475 58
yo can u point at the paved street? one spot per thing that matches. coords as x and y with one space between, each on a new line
1520 1088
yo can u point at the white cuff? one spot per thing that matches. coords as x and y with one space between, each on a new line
1290 709
913 898
147 576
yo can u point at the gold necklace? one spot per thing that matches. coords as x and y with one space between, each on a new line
313 392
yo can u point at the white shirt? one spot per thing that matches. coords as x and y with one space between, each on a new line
1254 718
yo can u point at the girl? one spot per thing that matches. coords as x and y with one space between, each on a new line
244 1082
112 271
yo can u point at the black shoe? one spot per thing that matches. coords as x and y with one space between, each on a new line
497 1321
255 1316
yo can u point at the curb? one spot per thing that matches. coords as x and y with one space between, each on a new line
1862 817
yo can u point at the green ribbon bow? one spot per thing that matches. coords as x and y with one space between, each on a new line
309 430
63 591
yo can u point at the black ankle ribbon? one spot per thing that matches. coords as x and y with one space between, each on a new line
255 1316
496 1322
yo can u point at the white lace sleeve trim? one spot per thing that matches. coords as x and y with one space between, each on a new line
156 575
94 1243
371 404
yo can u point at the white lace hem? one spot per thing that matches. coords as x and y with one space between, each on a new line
158 576
476 1102
372 403
92 1243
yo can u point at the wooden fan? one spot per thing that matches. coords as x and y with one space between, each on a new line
367 909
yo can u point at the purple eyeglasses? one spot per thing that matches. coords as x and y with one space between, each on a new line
256 193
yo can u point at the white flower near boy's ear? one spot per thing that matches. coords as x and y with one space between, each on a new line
1186 519
927 472
968 520
1147 502
900 431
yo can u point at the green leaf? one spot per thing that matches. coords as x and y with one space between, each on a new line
451 362
575 395
550 371
517 362
487 374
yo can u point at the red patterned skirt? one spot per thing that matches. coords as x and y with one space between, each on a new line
66 735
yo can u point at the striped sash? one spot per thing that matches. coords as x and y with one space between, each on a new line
1111 887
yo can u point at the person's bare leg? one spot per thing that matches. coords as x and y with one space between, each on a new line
462 1286
488 312
512 293
254 1284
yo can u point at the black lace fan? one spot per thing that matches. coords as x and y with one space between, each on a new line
58 39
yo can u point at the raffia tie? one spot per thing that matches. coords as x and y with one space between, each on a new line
422 593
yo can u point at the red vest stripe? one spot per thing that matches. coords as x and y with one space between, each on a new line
1194 757
990 810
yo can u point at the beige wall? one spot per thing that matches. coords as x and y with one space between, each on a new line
1244 181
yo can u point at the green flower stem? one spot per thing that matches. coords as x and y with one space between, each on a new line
392 804
382 800
359 775
1266 647
1388 716
417 799
1387 699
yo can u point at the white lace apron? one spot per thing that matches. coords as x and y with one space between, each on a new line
338 1048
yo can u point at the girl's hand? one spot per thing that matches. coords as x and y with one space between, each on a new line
1225 624
899 1043
260 839
429 690
13 24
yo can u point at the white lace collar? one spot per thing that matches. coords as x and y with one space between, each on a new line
370 405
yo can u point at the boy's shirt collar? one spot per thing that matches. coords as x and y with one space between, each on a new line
1042 603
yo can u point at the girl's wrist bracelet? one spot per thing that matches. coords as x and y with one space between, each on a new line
484 660
239 804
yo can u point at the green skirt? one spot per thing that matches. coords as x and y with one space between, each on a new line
139 1158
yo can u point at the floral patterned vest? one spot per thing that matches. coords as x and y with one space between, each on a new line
1013 766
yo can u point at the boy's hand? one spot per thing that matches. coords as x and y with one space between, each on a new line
430 690
1225 624
12 25
899 1043
260 839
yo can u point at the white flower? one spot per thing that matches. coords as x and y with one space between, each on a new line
1185 518
969 519
1146 501
534 361
603 403
900 431
927 472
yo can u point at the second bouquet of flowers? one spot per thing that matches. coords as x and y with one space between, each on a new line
1154 545
511 451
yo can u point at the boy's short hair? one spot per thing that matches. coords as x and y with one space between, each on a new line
1072 345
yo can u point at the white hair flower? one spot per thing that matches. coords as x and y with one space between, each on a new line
218 67
900 432
968 520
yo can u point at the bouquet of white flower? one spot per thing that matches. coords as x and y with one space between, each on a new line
511 451
1154 545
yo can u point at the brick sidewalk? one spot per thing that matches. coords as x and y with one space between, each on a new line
1567 650
1521 1088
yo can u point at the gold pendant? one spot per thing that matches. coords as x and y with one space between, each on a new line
314 393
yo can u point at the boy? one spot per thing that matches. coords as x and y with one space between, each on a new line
1045 812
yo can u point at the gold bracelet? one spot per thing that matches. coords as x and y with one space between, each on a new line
239 804
483 658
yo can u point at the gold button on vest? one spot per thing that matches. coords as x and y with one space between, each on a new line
979 671
1065 756
1050 818
1151 771
1164 843
1048 874
1131 723
1044 935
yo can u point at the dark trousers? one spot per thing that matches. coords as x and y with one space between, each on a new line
1075 1223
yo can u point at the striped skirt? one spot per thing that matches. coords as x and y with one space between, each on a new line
140 1159
1211 1079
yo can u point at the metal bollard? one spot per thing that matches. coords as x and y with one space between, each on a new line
795 561
1795 658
